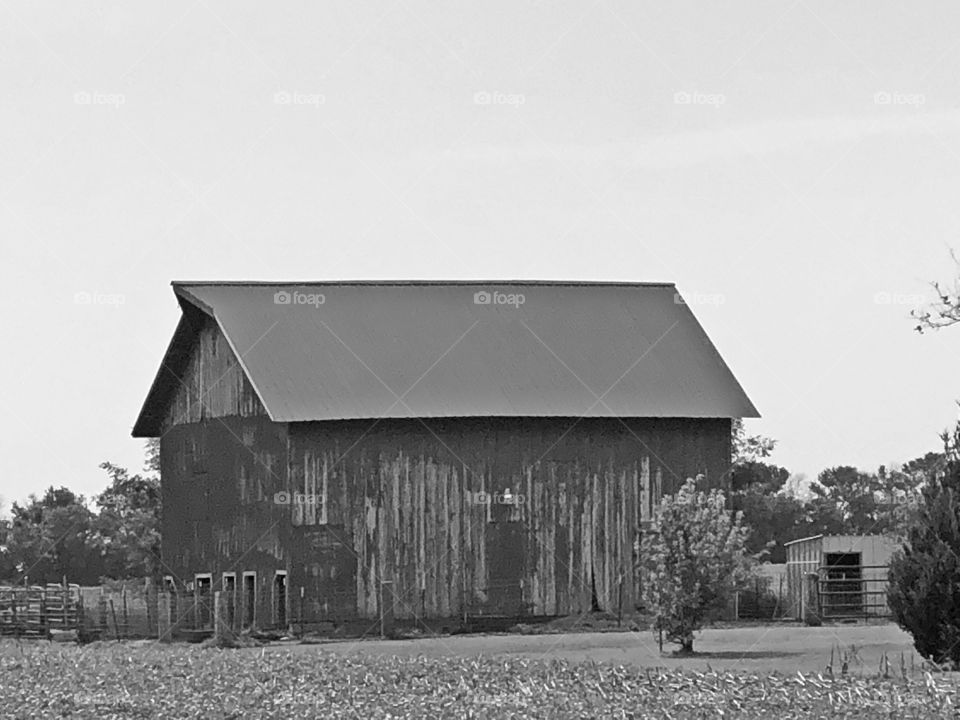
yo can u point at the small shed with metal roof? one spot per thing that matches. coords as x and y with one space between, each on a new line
850 573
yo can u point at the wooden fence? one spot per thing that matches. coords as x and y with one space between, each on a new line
36 610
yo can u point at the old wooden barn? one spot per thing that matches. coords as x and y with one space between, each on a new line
433 450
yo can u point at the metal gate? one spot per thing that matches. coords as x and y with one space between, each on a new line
852 591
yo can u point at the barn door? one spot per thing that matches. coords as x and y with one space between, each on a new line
506 553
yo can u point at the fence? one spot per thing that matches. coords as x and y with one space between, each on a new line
121 610
35 611
853 591
766 599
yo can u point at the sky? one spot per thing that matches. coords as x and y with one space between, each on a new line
793 167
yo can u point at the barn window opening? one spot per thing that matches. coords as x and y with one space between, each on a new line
249 599
230 598
280 599
203 600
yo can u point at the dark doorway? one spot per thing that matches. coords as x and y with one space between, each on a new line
230 598
280 599
842 593
203 599
249 599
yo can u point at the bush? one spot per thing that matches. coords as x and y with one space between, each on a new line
924 591
693 560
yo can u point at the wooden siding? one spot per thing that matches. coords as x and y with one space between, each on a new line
404 504
213 384
221 461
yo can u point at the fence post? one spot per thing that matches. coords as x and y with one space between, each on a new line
778 610
102 611
811 599
217 621
386 607
163 617
126 614
113 612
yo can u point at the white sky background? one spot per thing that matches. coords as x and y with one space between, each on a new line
785 187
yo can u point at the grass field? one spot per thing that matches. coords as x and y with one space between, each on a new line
757 648
415 680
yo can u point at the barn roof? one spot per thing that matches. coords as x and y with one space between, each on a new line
351 350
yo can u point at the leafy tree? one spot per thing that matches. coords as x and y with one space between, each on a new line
51 537
58 535
128 525
761 476
692 560
773 515
152 449
749 448
924 590
7 568
849 501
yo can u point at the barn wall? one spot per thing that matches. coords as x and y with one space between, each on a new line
222 460
213 384
404 504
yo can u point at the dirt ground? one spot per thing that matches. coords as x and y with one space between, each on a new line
762 648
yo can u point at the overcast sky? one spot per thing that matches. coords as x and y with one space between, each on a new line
793 166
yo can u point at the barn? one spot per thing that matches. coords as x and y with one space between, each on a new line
344 452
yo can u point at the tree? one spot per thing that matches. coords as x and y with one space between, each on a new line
748 448
7 567
849 501
692 560
58 535
51 537
945 310
152 449
773 516
924 589
128 525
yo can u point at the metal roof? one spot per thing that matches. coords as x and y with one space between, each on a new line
800 540
347 350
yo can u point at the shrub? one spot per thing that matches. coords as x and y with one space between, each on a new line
924 590
692 560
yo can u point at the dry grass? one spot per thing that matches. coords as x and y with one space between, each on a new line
149 680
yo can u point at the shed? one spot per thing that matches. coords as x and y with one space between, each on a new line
335 452
851 574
